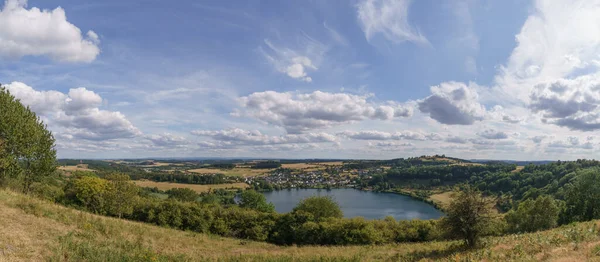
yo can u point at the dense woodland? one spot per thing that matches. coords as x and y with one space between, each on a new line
535 198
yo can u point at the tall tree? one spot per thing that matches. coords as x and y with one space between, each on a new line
582 200
121 195
468 216
255 200
320 207
26 147
533 215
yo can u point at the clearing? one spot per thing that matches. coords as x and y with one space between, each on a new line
195 187
80 167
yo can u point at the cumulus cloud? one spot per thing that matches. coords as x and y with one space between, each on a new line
492 134
389 18
301 112
166 140
389 146
453 103
538 139
242 137
77 113
559 39
571 103
380 135
570 142
35 32
295 64
456 140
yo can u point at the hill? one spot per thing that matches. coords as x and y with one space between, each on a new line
36 230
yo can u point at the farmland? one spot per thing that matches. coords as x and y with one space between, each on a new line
198 188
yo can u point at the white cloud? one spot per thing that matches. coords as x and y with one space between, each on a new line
453 103
295 64
166 140
492 134
571 103
380 135
301 112
561 38
35 32
75 114
234 137
389 18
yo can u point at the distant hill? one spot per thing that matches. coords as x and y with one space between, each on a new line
517 162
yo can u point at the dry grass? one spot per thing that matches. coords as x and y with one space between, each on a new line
197 188
518 169
80 167
35 230
442 199
314 166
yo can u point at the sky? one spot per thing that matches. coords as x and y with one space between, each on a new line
360 79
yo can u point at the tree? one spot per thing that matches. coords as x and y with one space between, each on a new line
88 192
255 200
320 207
582 199
182 194
120 195
26 146
468 216
533 215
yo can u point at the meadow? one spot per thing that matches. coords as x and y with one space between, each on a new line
39 230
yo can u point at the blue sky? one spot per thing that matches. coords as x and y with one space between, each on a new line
300 79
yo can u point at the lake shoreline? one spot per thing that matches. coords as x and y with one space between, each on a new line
436 205
361 203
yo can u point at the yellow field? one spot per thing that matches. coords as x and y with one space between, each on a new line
75 168
442 198
518 169
207 171
197 188
320 165
42 231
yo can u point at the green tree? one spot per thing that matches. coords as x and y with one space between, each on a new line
582 199
26 147
182 194
320 207
121 195
533 215
468 216
88 192
255 200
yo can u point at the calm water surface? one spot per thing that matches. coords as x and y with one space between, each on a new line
355 203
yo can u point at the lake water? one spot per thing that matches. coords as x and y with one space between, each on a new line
355 203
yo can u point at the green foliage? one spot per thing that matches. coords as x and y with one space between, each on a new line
533 215
582 199
88 192
120 195
182 194
27 151
468 216
255 200
320 207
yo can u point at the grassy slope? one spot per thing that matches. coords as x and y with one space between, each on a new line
34 230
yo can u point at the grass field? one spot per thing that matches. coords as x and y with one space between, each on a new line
197 188
36 230
518 169
75 168
442 199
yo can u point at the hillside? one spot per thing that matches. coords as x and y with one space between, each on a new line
35 230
